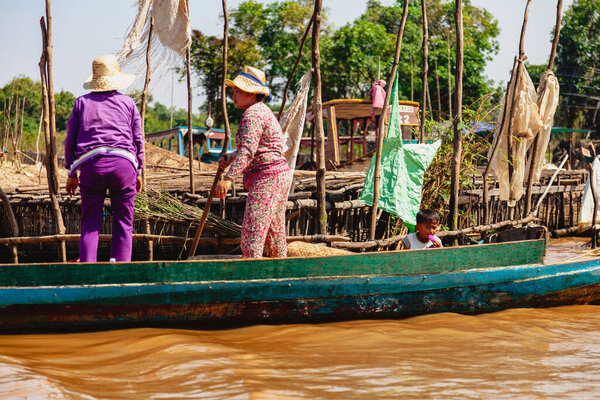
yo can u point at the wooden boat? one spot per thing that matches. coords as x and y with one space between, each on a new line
225 293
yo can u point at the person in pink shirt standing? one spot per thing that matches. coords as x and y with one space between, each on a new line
104 144
260 160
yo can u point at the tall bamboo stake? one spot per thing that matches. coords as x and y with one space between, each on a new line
457 152
49 124
424 71
381 126
412 91
449 79
143 116
520 61
219 172
298 59
190 125
318 116
534 147
224 94
437 84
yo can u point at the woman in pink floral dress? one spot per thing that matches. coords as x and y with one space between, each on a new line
260 160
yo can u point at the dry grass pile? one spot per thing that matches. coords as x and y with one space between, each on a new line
164 207
303 249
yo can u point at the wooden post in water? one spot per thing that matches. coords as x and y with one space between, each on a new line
424 71
50 124
318 118
457 122
143 116
532 163
381 126
595 198
298 59
190 123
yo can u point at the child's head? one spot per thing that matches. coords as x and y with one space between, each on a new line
427 223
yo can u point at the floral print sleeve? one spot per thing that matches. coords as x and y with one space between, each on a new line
247 140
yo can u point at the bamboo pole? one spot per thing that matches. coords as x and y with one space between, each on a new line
224 97
380 128
424 85
533 163
49 124
556 34
520 61
449 79
437 84
74 237
595 210
298 59
457 122
412 86
486 198
318 118
143 116
190 123
219 172
10 215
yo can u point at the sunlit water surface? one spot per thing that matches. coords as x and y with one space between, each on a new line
522 353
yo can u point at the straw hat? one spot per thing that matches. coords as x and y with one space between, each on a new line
107 75
250 80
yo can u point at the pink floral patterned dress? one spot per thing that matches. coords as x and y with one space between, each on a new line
267 178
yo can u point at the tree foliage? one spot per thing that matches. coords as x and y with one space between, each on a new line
268 35
576 66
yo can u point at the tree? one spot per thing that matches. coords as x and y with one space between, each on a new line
480 31
576 66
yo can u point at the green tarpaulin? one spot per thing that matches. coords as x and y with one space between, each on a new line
401 171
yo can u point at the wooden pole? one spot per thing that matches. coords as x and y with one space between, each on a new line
380 128
143 116
318 118
595 198
224 95
534 147
556 34
457 152
412 86
424 71
437 84
190 123
520 61
486 198
449 79
298 59
219 172
49 125
10 215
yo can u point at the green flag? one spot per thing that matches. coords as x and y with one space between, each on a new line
401 172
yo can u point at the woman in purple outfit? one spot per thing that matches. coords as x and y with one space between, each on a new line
105 144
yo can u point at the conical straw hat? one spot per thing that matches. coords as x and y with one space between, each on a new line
107 75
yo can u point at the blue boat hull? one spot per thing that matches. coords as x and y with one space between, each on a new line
217 304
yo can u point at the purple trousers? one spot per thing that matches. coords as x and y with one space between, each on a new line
119 176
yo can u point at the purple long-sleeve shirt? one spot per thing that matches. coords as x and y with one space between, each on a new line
104 120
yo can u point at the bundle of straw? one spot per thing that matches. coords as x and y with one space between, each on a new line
164 207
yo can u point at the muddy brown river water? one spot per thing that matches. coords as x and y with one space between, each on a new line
521 353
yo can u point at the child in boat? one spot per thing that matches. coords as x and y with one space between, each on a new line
424 236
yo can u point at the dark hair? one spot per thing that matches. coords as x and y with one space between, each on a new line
261 97
427 215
